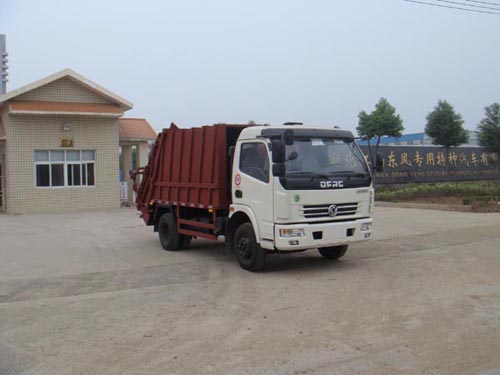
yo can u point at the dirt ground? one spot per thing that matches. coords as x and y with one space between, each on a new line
94 293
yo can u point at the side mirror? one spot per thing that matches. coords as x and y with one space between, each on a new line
379 163
278 150
279 170
288 137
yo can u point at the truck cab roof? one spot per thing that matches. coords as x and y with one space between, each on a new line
275 131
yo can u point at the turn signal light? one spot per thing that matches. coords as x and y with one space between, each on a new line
292 232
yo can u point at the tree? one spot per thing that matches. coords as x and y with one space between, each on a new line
489 129
383 121
445 126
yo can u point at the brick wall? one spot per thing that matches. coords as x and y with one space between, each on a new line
27 133
63 90
3 151
2 174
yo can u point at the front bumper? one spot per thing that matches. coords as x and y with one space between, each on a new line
323 235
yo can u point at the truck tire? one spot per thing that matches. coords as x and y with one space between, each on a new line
167 232
249 254
185 241
334 252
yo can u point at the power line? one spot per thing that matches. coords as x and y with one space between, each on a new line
467 5
483 2
451 7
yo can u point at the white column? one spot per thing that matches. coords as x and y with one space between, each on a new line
127 166
142 153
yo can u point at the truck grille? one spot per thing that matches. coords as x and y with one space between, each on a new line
322 210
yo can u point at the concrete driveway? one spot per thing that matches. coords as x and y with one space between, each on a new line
94 293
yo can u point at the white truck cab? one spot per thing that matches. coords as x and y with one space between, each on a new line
296 188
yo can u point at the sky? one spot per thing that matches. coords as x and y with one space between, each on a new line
320 62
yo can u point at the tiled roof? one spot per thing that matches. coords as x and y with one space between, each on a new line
136 128
63 108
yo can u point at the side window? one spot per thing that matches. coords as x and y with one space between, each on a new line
60 168
254 161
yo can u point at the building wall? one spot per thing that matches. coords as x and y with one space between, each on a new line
27 133
420 139
3 159
2 175
63 90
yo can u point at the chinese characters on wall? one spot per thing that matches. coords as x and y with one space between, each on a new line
431 164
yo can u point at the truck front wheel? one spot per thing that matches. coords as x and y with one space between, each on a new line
334 252
167 231
249 254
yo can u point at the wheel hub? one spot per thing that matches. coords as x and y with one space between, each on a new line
243 248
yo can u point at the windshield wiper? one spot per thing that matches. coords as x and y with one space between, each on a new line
349 174
307 174
299 173
326 176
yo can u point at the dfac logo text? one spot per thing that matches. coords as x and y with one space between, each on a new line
331 184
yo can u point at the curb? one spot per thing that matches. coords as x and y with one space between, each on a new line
425 206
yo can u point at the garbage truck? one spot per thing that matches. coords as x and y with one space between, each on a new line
264 189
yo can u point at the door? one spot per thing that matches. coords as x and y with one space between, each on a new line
253 185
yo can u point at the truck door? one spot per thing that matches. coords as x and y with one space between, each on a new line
253 186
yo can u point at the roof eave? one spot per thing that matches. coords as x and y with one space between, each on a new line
62 113
122 139
123 103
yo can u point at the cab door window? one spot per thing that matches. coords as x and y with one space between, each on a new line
254 161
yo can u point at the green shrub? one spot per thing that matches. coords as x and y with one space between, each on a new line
467 190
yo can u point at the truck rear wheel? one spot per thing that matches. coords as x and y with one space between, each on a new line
249 254
334 252
167 231
185 241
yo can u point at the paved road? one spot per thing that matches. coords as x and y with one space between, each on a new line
94 294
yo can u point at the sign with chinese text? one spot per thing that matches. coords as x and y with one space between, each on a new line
404 164
123 191
66 141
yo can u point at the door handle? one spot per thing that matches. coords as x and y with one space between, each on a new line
238 194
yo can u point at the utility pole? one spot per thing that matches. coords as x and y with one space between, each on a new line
3 64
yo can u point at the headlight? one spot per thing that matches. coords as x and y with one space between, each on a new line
292 233
366 226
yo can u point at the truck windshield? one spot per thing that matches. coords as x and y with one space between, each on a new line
325 158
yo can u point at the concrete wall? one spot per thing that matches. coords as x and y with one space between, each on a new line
27 133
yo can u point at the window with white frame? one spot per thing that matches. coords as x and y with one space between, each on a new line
60 168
